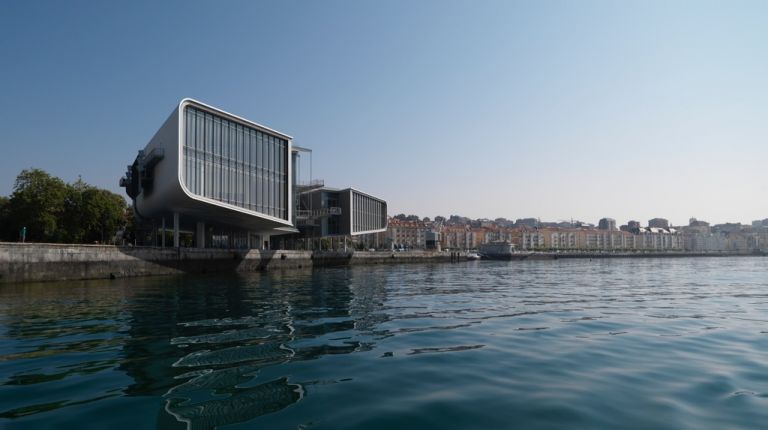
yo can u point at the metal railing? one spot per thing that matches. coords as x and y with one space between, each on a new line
302 214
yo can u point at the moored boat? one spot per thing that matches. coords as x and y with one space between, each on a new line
501 251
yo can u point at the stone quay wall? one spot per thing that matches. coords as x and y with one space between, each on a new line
30 262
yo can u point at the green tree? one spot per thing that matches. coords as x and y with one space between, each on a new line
103 213
130 230
37 203
72 221
5 233
53 211
91 214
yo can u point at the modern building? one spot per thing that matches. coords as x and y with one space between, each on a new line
432 240
334 212
218 180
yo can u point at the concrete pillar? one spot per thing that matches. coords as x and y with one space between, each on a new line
200 234
267 243
162 237
175 229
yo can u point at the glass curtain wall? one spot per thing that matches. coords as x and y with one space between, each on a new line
367 213
235 164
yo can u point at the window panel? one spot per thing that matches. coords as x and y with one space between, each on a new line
187 151
268 175
201 155
282 175
247 169
233 163
238 200
217 158
259 171
232 185
209 155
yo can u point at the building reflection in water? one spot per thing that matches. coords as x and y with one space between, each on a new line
213 350
203 343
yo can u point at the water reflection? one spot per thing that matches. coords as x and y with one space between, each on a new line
197 343
544 344
51 335
241 404
292 317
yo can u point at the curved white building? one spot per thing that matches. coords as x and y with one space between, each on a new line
227 180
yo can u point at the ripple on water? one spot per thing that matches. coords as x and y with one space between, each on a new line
668 343
242 404
235 354
225 336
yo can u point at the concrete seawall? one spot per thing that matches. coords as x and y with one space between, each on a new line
57 262
31 262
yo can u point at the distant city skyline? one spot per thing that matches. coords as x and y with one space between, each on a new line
597 224
553 110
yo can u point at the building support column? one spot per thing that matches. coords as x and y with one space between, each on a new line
200 235
162 237
175 229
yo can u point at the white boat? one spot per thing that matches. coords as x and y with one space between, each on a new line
473 256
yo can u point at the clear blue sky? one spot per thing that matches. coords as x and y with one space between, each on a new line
550 109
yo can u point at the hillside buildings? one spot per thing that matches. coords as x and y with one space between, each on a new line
531 234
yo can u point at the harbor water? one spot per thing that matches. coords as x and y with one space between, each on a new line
672 343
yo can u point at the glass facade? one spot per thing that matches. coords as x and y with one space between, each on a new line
232 163
367 213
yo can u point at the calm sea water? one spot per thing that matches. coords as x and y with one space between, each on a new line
625 343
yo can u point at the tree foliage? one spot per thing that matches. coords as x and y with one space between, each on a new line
403 217
37 203
91 214
53 211
4 227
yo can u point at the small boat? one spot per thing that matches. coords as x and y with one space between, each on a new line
472 256
501 251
